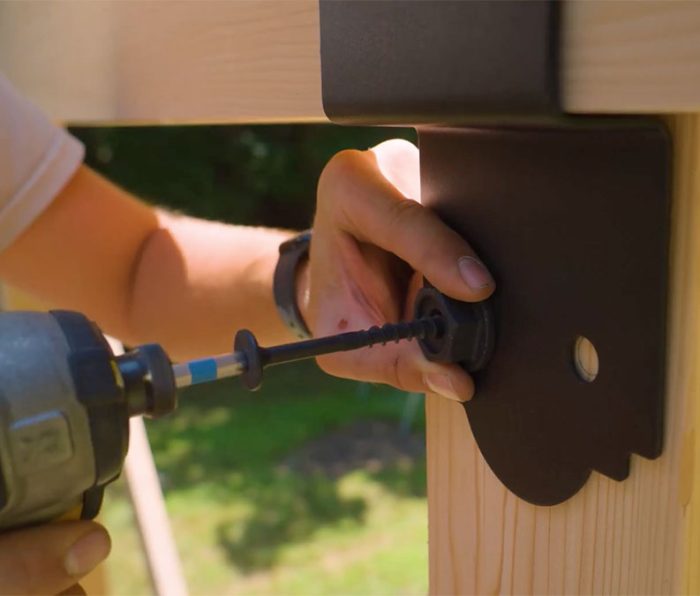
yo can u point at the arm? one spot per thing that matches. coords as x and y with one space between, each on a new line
145 274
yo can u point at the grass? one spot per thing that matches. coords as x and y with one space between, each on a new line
287 491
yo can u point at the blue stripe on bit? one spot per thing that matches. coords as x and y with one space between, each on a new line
203 370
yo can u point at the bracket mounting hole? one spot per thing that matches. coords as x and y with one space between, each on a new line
585 359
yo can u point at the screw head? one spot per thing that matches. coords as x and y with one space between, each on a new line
468 334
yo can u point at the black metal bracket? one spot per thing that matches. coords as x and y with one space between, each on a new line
574 224
571 216
437 61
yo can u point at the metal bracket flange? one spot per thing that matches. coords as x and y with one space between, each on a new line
427 62
574 223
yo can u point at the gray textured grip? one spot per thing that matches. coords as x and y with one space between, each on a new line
46 454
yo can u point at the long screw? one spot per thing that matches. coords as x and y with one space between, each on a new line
249 359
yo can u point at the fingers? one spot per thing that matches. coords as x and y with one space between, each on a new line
401 365
51 558
404 367
74 590
399 162
367 200
370 208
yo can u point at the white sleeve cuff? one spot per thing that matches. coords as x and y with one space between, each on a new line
62 159
37 159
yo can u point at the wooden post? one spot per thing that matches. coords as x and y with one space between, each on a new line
637 536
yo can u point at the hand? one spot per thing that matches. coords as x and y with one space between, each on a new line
373 242
52 558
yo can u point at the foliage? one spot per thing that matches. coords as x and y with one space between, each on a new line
258 175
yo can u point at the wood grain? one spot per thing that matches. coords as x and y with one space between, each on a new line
640 56
233 61
162 62
685 356
640 536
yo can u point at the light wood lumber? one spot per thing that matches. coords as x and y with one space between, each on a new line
640 536
236 61
685 356
152 521
631 56
165 62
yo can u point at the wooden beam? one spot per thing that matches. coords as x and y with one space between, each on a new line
637 536
631 57
165 62
258 60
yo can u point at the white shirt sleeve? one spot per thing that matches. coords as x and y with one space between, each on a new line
37 158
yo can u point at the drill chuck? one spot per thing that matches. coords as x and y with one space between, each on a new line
149 383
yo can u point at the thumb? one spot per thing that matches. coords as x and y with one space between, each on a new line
49 559
377 212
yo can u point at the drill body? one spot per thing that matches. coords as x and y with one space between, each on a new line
65 402
66 398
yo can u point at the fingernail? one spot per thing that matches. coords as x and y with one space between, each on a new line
87 553
473 272
442 384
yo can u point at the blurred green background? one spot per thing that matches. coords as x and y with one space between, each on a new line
314 485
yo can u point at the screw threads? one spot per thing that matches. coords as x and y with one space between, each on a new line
427 327
407 330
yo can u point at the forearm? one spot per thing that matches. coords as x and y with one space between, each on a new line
145 275
197 282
